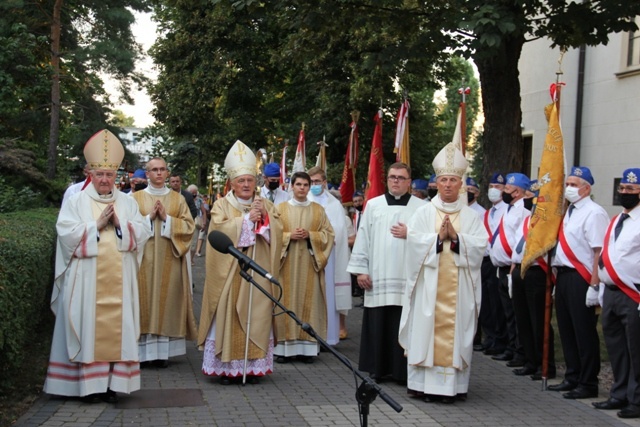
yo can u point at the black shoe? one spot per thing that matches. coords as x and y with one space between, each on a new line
432 398
492 351
563 386
478 347
515 363
610 403
448 400
504 357
281 359
224 380
91 398
110 396
521 372
306 359
162 364
581 393
631 411
538 376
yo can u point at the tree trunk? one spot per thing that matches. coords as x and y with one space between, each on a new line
54 128
502 141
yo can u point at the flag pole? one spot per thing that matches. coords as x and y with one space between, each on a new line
463 117
548 301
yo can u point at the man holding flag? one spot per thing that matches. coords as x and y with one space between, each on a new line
576 261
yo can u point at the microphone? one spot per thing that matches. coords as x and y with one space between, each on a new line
223 244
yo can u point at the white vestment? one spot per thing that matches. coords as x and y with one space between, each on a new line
377 253
74 367
419 301
338 280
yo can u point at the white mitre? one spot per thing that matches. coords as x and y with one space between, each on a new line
240 160
104 151
450 161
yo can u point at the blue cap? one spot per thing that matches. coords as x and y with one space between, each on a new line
519 180
139 173
419 184
631 176
358 194
497 178
272 170
331 186
432 180
472 183
582 172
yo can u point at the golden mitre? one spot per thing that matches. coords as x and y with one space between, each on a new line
104 151
240 160
450 161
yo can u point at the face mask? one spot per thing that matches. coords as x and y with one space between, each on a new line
432 192
629 201
358 208
316 190
495 195
273 185
507 198
528 204
470 197
140 186
571 194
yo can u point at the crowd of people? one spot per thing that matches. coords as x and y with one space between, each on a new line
440 276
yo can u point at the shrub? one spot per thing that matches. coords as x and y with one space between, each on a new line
27 250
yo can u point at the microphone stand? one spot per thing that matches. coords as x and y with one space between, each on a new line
368 390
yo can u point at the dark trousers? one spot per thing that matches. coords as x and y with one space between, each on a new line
491 319
513 345
577 327
529 307
621 329
380 353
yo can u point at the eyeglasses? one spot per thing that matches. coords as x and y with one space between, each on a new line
317 182
158 170
628 189
397 178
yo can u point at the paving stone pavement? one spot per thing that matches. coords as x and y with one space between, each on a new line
323 394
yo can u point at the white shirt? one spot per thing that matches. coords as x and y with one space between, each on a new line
624 251
512 219
279 195
584 231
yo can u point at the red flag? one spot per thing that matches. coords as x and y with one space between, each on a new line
348 184
300 161
375 179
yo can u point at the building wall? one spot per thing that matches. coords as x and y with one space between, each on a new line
611 109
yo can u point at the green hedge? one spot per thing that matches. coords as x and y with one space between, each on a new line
27 251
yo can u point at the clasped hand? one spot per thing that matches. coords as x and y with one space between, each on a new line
158 211
447 232
107 216
299 234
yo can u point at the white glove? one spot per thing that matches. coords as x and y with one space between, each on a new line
592 297
601 295
510 284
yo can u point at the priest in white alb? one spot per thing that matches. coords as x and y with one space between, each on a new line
101 234
441 302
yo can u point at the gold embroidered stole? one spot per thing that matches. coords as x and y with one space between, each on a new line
446 298
109 288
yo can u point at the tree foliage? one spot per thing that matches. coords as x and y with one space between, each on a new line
256 73
492 33
96 41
